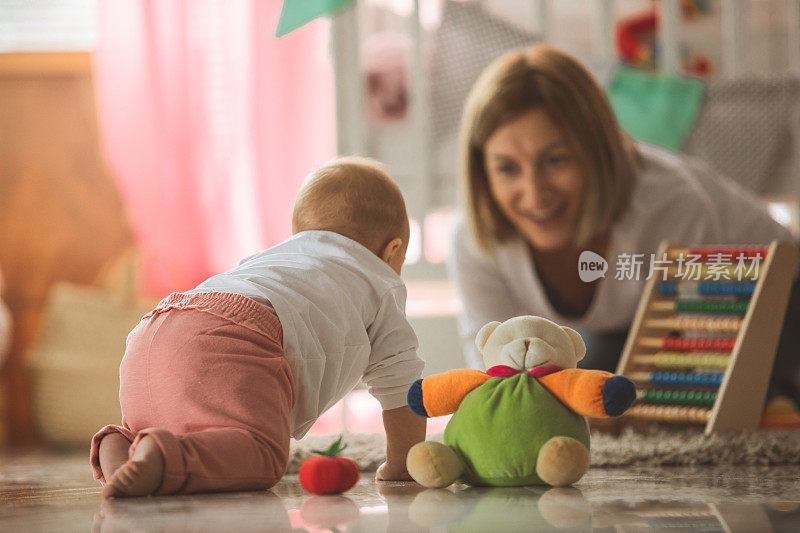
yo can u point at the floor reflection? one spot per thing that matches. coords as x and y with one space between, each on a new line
263 511
503 509
326 513
56 493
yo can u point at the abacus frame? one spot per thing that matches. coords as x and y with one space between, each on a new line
741 396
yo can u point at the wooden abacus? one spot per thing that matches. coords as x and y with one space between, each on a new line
701 350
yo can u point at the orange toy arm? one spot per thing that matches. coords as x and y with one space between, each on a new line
441 394
593 393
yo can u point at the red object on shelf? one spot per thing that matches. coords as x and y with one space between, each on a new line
630 44
327 472
635 40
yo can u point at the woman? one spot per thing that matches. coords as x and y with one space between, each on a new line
548 174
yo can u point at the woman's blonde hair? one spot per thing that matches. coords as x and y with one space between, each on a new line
541 77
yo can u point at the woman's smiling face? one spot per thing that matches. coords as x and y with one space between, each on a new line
535 179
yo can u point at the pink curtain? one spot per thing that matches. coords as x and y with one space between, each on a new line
209 126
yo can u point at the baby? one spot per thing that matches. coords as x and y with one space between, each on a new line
214 381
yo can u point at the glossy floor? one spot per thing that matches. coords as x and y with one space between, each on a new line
56 493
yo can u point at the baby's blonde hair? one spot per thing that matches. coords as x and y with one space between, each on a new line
355 197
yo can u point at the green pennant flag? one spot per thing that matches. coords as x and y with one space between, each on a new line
295 13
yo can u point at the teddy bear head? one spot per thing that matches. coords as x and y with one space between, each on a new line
528 344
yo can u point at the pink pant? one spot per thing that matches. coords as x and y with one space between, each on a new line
205 375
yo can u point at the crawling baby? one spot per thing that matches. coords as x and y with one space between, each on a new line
215 380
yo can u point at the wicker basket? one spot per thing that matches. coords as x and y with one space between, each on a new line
74 367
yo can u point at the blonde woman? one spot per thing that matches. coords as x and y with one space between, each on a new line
548 174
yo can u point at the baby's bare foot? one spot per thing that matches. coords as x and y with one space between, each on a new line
113 453
141 476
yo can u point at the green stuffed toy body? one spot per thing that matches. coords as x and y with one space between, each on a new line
518 413
522 422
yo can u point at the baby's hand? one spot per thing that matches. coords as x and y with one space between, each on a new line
387 473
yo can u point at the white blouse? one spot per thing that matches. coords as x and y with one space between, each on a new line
676 198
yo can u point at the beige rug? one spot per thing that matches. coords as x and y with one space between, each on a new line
658 447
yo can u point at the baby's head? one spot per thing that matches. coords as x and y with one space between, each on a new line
355 197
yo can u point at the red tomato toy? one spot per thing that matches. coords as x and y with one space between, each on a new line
327 473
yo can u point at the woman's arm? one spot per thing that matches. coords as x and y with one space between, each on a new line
684 200
743 217
485 296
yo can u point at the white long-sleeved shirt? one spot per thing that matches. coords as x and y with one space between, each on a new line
343 315
676 198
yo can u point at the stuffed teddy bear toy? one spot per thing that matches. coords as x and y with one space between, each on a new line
522 422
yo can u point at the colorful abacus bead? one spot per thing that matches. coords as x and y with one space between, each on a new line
697 323
706 288
711 307
732 252
703 379
741 289
670 413
689 360
689 397
698 345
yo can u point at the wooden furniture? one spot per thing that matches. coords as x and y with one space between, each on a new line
61 217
